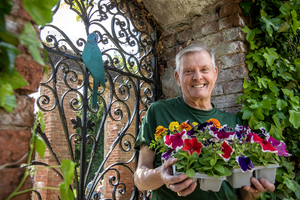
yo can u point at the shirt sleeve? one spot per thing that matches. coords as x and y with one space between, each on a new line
147 129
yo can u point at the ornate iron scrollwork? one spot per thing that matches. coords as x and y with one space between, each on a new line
127 45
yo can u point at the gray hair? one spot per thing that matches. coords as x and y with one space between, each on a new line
191 49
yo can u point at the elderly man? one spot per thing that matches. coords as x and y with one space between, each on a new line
196 74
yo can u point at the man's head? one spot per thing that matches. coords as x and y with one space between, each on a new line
196 74
193 48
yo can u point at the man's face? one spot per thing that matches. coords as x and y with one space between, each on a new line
196 77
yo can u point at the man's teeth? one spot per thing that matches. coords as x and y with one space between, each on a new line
198 86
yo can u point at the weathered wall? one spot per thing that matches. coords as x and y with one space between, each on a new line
220 29
15 128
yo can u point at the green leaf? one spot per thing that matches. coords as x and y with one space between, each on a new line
67 168
250 33
270 56
219 168
40 146
29 38
190 173
252 122
65 192
5 6
258 114
286 76
295 24
284 27
294 118
276 120
271 24
247 114
286 8
213 162
15 80
290 184
7 97
276 132
288 92
281 104
40 11
8 54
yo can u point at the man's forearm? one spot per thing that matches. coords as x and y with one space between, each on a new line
148 179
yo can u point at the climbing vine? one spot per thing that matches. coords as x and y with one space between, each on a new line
272 93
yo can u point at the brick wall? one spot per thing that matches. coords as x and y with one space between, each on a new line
219 29
112 128
55 132
15 128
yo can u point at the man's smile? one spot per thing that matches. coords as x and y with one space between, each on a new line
198 86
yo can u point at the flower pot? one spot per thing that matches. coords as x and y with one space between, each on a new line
239 178
268 173
206 182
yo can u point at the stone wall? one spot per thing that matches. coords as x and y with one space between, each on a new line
219 29
15 128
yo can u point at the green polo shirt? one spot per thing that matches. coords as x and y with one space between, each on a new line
162 113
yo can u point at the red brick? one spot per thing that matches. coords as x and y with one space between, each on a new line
31 71
230 9
22 114
168 54
198 22
209 28
169 41
184 36
19 11
8 141
235 20
10 179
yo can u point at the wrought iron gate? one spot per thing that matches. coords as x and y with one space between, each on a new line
127 46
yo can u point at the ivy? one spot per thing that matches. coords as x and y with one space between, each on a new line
10 79
272 94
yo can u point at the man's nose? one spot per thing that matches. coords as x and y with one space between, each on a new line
197 75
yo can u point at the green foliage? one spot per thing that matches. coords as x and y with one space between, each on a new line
67 168
10 79
39 143
271 96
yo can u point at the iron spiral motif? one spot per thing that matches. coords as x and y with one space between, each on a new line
126 40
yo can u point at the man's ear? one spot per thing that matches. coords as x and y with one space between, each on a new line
216 72
176 76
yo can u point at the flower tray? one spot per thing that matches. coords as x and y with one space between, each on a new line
268 173
239 178
206 182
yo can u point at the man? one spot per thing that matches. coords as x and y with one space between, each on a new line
196 74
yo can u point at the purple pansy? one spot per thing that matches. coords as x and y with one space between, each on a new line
166 155
245 163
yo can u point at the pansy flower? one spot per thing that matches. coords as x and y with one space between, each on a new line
241 132
266 146
227 151
192 145
166 155
175 141
279 146
245 163
221 133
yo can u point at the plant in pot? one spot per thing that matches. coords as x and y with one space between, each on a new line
199 154
254 152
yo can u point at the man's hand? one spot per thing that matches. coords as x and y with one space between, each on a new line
181 183
252 192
